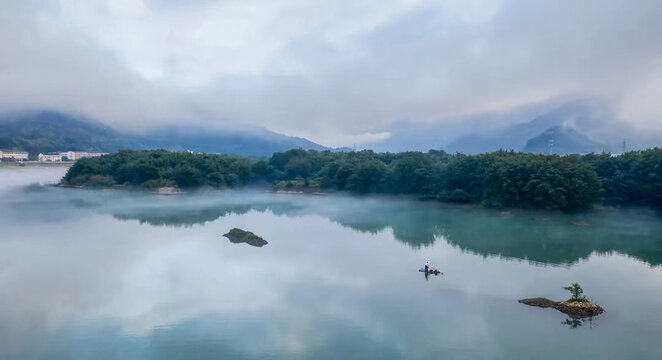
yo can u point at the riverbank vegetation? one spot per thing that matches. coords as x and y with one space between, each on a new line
502 178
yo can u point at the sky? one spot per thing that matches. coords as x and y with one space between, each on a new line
335 71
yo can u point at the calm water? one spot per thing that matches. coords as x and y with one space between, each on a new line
125 275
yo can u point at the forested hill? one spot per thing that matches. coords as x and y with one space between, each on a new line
256 142
48 131
492 179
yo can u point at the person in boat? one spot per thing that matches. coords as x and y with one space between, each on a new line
427 266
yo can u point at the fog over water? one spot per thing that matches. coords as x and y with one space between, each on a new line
108 274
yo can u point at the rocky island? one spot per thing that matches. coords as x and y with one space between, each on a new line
576 306
238 236
572 308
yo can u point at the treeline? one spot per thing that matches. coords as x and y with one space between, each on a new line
502 178
158 168
632 178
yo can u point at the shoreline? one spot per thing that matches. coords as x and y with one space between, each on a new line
505 212
17 165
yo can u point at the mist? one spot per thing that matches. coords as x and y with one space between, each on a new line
338 73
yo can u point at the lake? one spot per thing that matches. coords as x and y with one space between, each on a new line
111 274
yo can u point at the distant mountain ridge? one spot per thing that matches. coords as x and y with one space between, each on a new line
258 142
578 126
408 135
569 126
50 131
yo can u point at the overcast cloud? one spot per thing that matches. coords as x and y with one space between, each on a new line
330 71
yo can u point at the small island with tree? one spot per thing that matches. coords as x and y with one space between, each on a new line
577 306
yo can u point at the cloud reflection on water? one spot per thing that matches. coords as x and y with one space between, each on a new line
338 279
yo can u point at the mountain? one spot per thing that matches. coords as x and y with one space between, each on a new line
578 114
576 126
562 140
583 126
249 142
414 136
50 131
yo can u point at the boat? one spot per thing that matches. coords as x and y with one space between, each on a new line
433 272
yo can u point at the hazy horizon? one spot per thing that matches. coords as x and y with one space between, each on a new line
338 73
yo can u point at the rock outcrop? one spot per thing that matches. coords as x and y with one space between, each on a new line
237 236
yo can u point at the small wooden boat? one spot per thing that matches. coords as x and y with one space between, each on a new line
433 272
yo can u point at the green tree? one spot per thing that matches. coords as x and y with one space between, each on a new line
186 176
576 291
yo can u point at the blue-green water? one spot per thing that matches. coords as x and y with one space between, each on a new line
126 275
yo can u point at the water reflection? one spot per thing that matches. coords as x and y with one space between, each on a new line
538 237
182 211
338 280
427 275
574 323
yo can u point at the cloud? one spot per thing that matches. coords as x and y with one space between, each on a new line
326 71
359 139
46 64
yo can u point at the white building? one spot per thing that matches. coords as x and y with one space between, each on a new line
13 155
77 155
49 157
67 156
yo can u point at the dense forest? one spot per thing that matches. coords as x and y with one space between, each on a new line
502 178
